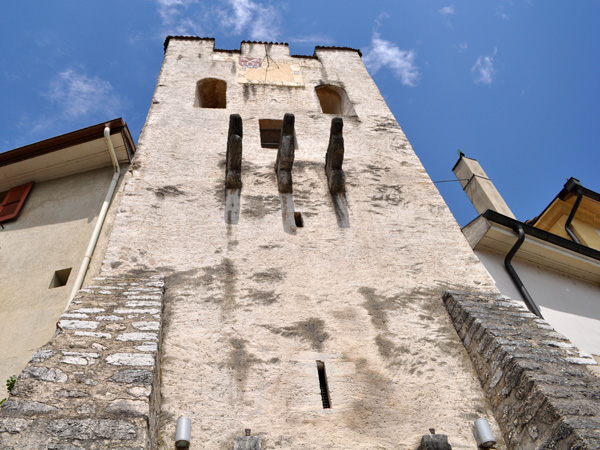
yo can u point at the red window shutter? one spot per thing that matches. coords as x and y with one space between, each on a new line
13 202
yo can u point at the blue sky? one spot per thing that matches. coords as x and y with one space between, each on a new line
513 83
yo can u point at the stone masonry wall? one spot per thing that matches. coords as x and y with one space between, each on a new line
95 384
541 392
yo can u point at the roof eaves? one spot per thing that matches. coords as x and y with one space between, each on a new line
68 140
570 188
542 235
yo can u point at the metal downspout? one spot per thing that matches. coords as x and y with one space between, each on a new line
515 278
572 216
101 217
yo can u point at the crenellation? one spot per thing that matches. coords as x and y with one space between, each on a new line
259 49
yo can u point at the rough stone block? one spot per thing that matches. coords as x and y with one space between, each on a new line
434 442
132 376
247 443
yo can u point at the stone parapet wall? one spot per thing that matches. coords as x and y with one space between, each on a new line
542 394
95 384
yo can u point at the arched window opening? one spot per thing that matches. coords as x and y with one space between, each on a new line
334 100
211 93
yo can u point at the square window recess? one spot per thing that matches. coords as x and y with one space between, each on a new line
60 278
270 133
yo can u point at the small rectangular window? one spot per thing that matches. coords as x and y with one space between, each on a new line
270 133
60 278
323 385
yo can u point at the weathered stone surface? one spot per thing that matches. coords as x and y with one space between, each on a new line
247 443
150 301
44 374
11 425
92 429
137 336
132 376
130 359
535 378
78 324
42 355
93 334
133 407
55 446
146 326
28 408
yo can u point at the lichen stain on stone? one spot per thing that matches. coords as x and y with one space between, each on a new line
390 351
227 275
302 166
249 90
390 195
311 330
177 278
386 124
259 206
263 297
375 406
269 276
262 175
377 306
240 360
168 190
270 246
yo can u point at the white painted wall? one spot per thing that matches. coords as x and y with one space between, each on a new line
51 233
570 305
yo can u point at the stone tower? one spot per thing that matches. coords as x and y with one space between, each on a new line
304 278
283 272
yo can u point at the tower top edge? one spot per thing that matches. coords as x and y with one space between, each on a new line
285 44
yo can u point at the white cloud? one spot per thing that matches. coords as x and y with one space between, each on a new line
462 47
484 68
384 53
256 19
261 21
176 19
77 95
446 10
